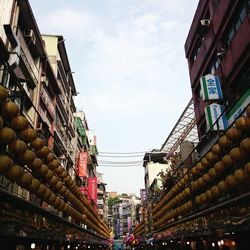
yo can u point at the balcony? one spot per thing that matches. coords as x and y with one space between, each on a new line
28 60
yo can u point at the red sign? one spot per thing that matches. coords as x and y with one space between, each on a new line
82 164
92 189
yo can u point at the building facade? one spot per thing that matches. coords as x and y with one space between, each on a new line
40 195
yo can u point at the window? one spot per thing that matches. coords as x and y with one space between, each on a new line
235 24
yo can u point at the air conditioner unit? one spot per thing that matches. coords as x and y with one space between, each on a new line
205 22
31 35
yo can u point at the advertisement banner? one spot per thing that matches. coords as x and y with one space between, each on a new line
82 164
210 88
92 189
212 113
129 220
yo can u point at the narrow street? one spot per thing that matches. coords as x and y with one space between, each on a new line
59 190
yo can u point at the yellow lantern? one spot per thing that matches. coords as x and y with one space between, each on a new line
48 175
14 172
239 176
7 135
233 133
219 167
39 192
227 160
224 142
5 162
242 123
214 192
212 173
231 181
27 157
43 152
9 109
25 180
50 157
223 187
216 149
245 145
28 134
206 177
208 195
17 147
3 93
36 164
37 144
35 184
19 123
211 157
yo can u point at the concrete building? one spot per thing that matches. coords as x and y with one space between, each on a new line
38 184
218 44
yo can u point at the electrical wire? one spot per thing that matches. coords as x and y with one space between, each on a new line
123 153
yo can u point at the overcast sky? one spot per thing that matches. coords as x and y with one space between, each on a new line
130 71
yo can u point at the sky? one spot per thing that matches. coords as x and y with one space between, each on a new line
130 71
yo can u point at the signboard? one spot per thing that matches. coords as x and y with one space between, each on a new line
129 220
212 113
210 88
143 194
92 189
91 137
82 164
238 108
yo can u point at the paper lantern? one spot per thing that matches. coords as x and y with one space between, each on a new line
224 142
227 160
247 168
208 195
203 198
3 93
198 200
7 135
222 187
42 171
242 123
35 184
48 175
59 185
237 154
14 172
5 162
62 191
59 170
27 157
37 144
25 180
46 194
204 162
200 166
233 133
19 123
53 164
35 164
43 152
211 157
17 147
231 181
53 181
28 134
39 192
63 174
214 192
212 173
216 149
219 167
9 109
245 145
206 178
50 157
239 176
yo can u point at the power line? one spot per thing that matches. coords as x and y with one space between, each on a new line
120 156
121 166
123 153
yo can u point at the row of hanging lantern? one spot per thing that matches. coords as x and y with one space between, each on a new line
139 229
43 174
223 168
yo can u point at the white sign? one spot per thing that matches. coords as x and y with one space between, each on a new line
211 88
212 114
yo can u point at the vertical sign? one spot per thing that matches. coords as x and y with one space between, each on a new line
82 164
212 114
129 220
143 194
211 88
92 189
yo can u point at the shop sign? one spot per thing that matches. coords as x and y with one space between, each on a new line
82 164
238 108
211 88
143 194
92 188
216 117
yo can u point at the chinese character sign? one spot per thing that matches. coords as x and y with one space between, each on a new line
211 88
212 114
92 188
143 194
82 164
